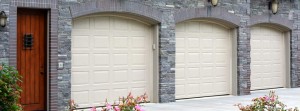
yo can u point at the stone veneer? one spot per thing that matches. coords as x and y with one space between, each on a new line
243 13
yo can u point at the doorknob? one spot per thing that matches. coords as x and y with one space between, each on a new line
42 70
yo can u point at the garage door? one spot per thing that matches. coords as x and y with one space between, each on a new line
267 58
203 59
111 56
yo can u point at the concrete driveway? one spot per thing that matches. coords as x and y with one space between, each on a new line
291 97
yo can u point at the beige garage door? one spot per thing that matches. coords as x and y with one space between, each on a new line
203 59
111 56
267 58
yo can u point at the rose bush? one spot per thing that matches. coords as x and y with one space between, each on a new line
129 103
9 89
266 103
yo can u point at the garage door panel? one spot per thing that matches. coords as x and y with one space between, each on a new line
101 95
81 87
80 78
180 43
220 30
197 62
207 43
138 42
221 87
101 59
193 42
193 27
195 88
82 41
267 58
114 54
139 59
82 97
193 73
138 75
101 42
193 57
80 60
83 23
207 72
206 27
180 90
100 77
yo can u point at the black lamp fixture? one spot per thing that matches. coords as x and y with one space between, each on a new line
273 6
3 19
213 2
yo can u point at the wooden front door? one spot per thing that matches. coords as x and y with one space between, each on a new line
31 57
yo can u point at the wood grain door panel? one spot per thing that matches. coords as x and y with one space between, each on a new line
31 62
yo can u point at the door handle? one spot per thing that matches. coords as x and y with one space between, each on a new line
42 70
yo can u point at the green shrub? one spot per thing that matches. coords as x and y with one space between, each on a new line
9 88
266 103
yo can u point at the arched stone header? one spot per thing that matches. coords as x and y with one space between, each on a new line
217 13
119 6
283 23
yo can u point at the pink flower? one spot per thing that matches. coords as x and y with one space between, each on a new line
138 107
266 98
272 99
108 106
117 108
93 109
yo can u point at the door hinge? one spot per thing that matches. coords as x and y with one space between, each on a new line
153 46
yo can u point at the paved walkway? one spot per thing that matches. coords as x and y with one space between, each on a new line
291 97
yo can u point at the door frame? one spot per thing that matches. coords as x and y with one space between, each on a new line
52 44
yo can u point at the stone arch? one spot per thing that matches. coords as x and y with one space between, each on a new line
116 6
218 14
279 22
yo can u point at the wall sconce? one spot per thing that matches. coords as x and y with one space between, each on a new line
273 6
3 19
213 2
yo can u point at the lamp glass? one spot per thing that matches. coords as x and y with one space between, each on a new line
3 19
274 7
214 2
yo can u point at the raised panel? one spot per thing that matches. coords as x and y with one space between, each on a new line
100 77
101 59
83 23
138 42
138 59
80 59
120 42
120 59
101 96
82 97
102 23
79 78
120 76
81 41
101 42
138 75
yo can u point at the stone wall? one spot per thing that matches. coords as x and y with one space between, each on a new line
4 34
